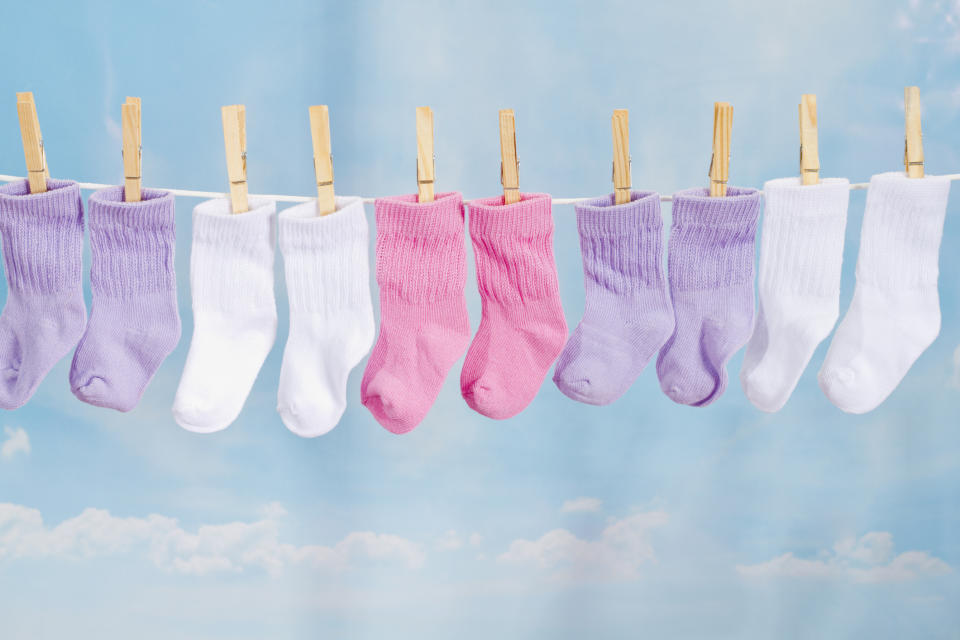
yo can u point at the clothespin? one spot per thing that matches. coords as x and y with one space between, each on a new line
720 160
913 143
509 165
322 159
809 153
621 155
130 124
235 141
33 152
426 162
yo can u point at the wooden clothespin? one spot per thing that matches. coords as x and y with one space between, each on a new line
509 165
33 152
621 156
720 160
426 163
235 141
913 144
130 124
322 158
809 153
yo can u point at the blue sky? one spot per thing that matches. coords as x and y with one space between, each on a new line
641 518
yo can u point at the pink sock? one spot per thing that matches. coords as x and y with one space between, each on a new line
523 329
424 328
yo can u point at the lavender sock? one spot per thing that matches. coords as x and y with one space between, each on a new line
42 252
711 283
628 315
134 322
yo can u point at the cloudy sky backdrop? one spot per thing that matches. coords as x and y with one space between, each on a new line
568 521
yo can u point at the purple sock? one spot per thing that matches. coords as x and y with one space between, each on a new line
711 283
134 322
628 315
42 252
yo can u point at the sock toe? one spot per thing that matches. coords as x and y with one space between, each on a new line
309 420
379 397
578 381
844 386
200 416
762 391
495 400
93 390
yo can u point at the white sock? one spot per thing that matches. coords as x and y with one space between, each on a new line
234 312
331 317
801 252
895 313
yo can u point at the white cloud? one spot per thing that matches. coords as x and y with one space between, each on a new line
868 559
475 539
449 541
618 554
17 442
233 546
581 504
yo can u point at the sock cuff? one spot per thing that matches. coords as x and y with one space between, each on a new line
404 215
739 209
154 211
132 243
231 262
252 232
301 228
326 257
60 203
790 197
513 246
42 236
712 240
801 249
902 229
601 216
531 217
421 250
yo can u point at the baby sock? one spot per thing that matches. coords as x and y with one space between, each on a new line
44 315
331 318
895 312
234 312
134 322
522 328
801 251
421 270
711 284
628 315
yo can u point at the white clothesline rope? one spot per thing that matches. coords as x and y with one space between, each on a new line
189 193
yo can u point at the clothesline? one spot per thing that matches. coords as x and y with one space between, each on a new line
190 193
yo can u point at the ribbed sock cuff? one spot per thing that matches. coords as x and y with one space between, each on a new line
902 230
326 257
231 264
601 216
42 236
712 239
251 232
789 196
530 217
132 243
622 244
513 245
403 215
803 232
740 208
421 250
301 227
